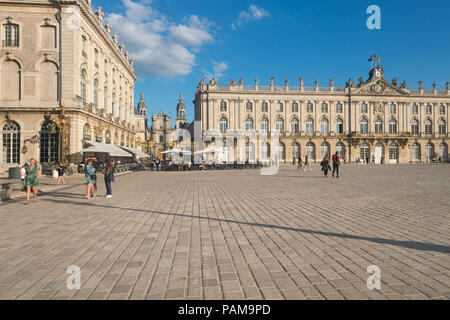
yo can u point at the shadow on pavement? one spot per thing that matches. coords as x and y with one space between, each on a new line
423 246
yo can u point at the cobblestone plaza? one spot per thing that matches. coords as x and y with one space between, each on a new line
235 235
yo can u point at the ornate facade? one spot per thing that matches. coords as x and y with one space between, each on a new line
393 123
64 80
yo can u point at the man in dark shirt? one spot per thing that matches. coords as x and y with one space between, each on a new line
336 163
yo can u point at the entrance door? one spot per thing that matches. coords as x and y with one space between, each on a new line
378 153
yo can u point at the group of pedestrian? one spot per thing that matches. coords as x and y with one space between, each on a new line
300 163
90 177
325 164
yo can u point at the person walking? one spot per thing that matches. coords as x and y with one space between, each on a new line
325 166
61 170
31 179
299 160
336 163
373 158
94 166
307 165
109 178
89 178
157 164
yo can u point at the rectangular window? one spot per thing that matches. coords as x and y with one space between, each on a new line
295 107
364 108
309 107
279 107
324 107
11 38
339 108
265 107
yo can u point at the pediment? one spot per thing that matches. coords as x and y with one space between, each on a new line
379 87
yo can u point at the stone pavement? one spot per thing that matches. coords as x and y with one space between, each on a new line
235 235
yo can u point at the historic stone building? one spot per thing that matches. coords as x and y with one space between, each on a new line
64 80
386 119
161 133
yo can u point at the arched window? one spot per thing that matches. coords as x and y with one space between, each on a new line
416 152
309 107
378 126
11 36
340 148
364 108
223 106
442 109
264 107
281 151
49 142
414 126
11 143
120 109
310 151
365 152
249 106
295 150
324 126
83 86
280 107
294 107
279 125
443 151
309 126
108 137
105 98
265 151
325 149
339 108
442 127
393 108
428 126
249 124
294 125
86 132
393 126
223 122
364 125
429 109
122 141
250 152
264 125
324 107
95 94
429 150
393 153
415 109
113 105
339 126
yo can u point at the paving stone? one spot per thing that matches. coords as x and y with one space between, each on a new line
235 234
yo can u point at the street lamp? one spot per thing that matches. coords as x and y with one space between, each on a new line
349 85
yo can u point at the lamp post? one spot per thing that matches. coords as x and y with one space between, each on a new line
349 135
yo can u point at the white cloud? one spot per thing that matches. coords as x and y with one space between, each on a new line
218 67
254 13
159 46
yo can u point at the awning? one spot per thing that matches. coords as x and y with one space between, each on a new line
111 149
137 152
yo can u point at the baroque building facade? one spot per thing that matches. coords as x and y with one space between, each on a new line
386 120
64 81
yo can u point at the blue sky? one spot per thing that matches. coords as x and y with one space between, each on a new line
177 42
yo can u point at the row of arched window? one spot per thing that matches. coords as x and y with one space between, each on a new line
107 137
48 142
115 110
339 129
324 107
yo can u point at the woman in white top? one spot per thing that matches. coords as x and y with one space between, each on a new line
23 173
